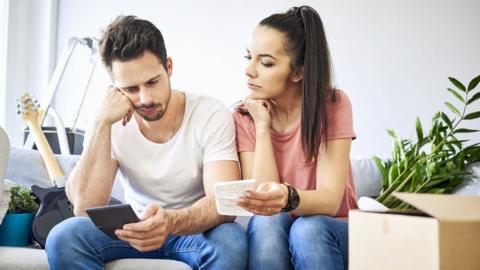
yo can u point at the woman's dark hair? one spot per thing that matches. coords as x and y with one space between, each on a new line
128 37
307 46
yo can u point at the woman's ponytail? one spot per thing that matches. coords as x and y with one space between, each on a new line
308 47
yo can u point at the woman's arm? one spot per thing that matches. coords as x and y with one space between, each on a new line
260 165
332 174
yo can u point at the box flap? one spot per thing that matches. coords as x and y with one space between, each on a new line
444 207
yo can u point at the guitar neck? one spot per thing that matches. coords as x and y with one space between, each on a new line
46 152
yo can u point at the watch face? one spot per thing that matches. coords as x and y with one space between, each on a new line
295 199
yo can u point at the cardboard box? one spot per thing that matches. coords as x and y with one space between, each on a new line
447 236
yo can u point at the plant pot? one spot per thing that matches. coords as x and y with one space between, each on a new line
16 229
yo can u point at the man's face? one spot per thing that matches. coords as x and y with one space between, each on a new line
146 83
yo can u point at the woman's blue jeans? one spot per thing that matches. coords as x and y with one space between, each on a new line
77 244
311 242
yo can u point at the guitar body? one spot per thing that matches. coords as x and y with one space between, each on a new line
54 208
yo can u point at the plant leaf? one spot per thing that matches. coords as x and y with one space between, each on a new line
473 115
475 97
392 134
392 174
22 200
453 109
456 94
446 120
430 169
401 149
473 83
451 148
465 130
418 125
458 84
380 166
437 190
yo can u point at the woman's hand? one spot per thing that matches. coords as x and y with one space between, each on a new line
260 110
268 199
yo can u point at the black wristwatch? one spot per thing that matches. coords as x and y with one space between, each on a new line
293 199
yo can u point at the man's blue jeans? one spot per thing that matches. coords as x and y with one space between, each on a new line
312 242
77 244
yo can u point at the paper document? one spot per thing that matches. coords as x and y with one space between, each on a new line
369 204
226 195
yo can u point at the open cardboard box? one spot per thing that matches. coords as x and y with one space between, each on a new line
445 236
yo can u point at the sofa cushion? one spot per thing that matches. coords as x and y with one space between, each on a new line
23 258
367 177
146 264
15 258
26 167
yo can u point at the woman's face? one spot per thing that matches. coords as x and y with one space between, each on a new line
269 66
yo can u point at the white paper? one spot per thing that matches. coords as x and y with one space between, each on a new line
369 204
226 195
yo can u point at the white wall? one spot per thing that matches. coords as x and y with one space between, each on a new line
391 57
30 55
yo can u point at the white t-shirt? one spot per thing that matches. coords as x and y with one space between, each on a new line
170 173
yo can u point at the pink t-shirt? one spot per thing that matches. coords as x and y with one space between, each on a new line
289 154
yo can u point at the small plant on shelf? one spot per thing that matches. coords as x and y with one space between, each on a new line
22 200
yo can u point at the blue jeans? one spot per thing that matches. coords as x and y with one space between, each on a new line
312 242
76 243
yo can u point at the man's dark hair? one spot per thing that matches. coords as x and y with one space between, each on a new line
128 37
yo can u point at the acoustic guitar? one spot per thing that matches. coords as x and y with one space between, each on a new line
54 204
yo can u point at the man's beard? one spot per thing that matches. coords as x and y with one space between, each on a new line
158 115
153 117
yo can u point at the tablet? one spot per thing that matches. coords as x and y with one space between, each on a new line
112 217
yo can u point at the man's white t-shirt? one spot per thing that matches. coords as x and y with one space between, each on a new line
170 173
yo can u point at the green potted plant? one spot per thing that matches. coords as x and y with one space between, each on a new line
436 161
16 226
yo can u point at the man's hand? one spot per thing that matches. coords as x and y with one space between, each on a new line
150 233
260 110
115 106
268 199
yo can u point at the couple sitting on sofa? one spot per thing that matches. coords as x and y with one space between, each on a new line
292 134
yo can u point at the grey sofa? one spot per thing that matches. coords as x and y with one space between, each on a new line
365 173
26 167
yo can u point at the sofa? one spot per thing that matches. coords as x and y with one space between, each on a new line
25 167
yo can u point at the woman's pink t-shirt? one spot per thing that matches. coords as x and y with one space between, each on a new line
289 154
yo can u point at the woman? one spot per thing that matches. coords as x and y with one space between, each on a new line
294 133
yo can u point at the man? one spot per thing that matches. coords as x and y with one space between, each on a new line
170 148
